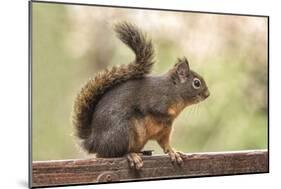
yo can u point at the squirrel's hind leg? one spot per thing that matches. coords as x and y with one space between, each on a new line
135 160
109 138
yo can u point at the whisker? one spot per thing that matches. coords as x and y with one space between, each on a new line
197 111
193 110
188 113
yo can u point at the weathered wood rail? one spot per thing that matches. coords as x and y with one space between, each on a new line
99 170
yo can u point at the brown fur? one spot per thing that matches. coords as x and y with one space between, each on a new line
175 109
144 129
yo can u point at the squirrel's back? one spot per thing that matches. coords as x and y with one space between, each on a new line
94 89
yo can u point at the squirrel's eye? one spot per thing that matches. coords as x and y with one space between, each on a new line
196 83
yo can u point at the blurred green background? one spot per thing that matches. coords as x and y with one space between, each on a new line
73 43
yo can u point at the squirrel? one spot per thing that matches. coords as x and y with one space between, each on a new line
120 109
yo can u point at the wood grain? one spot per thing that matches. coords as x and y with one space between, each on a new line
100 170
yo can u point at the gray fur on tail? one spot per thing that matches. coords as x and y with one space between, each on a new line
137 41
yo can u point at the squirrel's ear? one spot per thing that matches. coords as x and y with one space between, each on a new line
182 69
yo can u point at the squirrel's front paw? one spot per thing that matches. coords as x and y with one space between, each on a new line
176 157
135 161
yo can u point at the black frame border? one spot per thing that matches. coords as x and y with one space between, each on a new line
30 21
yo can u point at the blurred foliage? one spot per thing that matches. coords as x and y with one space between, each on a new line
73 43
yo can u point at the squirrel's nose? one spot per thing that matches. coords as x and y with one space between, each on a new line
206 93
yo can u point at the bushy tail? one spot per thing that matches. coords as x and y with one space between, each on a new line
136 40
94 89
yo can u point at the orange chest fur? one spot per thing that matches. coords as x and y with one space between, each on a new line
151 128
146 129
154 128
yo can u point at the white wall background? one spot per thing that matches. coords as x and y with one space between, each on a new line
14 89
